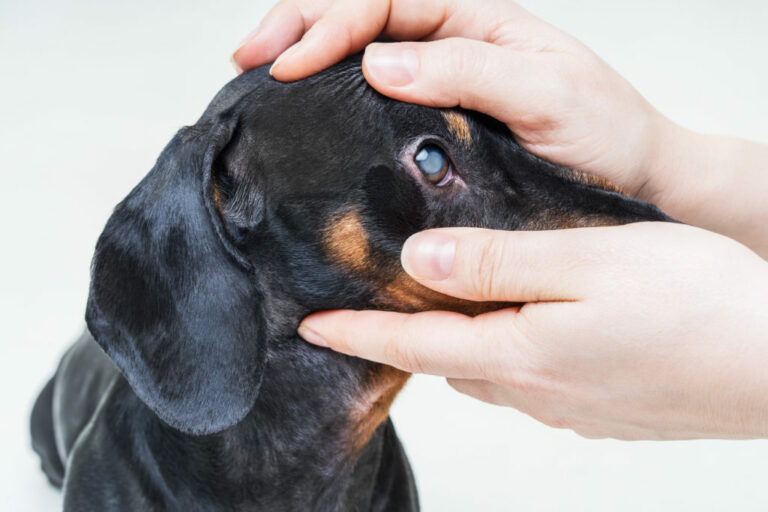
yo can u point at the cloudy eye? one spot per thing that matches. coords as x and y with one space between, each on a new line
434 163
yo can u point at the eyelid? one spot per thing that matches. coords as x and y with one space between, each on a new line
447 178
412 147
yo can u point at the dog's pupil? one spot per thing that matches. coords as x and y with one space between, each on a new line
430 159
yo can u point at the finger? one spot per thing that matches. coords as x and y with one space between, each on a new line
438 19
518 397
475 75
514 266
349 25
283 26
539 402
478 389
435 342
338 33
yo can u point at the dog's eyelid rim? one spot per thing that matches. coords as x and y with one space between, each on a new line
414 145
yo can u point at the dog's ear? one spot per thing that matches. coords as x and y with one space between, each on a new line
172 301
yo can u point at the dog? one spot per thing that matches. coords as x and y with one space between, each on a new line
191 390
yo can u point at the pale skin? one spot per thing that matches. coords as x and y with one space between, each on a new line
645 331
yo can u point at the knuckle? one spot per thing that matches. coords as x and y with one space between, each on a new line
589 434
527 370
347 37
554 415
524 384
500 365
402 353
339 343
489 257
543 413
461 58
407 358
559 422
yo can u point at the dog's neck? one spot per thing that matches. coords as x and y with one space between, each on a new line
318 437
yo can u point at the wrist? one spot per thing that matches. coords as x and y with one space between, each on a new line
686 172
669 158
714 182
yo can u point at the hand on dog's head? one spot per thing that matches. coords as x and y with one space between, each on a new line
289 198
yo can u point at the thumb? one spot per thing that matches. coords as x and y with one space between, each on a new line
451 72
511 266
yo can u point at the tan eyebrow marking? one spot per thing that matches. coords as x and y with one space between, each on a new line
458 126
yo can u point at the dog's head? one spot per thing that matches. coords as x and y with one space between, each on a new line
289 198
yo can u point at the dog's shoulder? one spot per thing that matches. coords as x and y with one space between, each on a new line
111 461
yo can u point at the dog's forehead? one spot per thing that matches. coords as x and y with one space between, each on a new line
336 105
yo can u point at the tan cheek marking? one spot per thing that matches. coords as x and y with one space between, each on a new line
594 181
346 241
370 411
459 127
555 218
560 219
403 293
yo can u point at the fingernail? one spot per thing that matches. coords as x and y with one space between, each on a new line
250 37
287 53
311 336
235 65
391 64
429 255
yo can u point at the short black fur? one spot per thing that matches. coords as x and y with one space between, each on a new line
195 392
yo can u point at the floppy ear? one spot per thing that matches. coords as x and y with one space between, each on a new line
172 301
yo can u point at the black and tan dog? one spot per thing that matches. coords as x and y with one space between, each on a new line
283 199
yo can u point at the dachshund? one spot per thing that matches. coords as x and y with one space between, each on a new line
190 390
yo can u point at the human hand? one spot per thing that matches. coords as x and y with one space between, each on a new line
643 331
560 100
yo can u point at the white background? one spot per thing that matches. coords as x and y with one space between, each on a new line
90 91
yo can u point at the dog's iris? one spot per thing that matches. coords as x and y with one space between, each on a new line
433 162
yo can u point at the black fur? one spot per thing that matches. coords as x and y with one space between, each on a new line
206 398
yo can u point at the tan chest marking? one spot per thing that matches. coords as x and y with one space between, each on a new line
372 408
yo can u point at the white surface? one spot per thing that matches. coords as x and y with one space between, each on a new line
91 91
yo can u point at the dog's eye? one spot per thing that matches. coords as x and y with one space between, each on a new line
434 163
